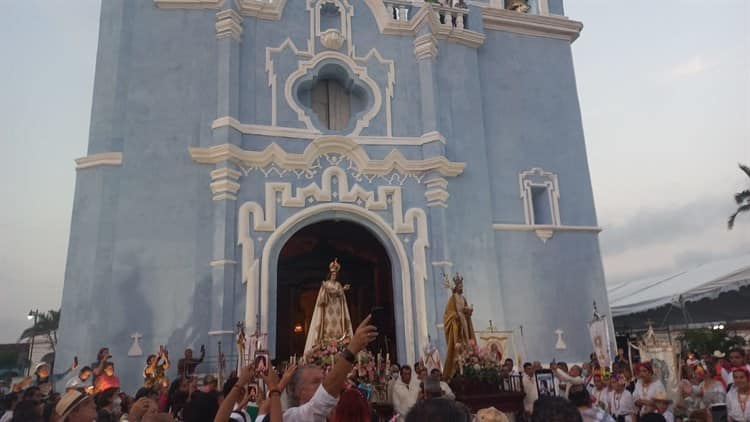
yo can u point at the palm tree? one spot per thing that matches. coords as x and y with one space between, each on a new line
742 198
46 325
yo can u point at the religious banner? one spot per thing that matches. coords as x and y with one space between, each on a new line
498 345
663 358
599 331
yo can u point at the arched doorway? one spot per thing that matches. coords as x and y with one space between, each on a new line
303 264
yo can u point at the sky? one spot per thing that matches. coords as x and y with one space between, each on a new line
664 88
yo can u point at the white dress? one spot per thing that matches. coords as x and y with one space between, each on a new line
647 393
621 404
735 405
602 398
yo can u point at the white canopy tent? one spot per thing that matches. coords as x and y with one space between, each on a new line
707 281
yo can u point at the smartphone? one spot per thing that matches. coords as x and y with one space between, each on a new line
75 361
378 316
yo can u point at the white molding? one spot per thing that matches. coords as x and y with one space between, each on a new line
528 227
304 68
229 25
557 27
189 4
221 262
550 183
101 159
274 154
314 199
304 134
443 264
220 333
425 47
543 231
270 10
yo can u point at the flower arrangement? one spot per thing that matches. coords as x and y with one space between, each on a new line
475 363
325 353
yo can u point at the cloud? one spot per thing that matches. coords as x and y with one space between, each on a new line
654 226
692 67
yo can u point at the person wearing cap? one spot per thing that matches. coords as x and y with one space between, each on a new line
646 388
662 405
75 406
738 398
46 381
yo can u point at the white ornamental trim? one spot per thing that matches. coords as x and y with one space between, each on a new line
557 27
274 154
255 217
101 159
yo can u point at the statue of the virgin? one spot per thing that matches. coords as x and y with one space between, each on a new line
330 320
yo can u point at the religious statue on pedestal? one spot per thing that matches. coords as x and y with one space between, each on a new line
459 331
330 320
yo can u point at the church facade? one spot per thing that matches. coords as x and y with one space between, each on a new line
449 138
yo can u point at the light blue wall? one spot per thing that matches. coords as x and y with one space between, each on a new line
143 233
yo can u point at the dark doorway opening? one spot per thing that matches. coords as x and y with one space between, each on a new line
303 265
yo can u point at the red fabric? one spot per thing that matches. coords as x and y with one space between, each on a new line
105 382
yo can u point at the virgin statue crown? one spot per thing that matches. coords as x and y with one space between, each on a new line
451 284
334 266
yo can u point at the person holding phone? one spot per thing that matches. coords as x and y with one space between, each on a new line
312 393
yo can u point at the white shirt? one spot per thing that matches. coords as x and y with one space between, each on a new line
602 397
316 410
568 380
447 392
734 407
529 388
642 393
404 397
621 404
7 416
668 415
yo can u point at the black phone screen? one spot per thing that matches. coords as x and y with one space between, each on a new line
378 316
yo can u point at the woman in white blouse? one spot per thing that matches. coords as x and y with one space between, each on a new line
738 403
621 401
712 391
646 388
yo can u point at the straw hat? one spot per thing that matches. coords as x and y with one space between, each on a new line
661 397
719 354
69 402
491 414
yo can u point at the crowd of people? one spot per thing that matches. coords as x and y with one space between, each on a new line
713 388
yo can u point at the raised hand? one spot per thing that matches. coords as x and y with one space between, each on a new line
271 379
247 375
364 334
288 374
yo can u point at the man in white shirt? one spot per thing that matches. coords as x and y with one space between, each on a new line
314 395
405 393
529 388
447 391
574 378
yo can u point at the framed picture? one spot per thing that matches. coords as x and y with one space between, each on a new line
262 362
545 382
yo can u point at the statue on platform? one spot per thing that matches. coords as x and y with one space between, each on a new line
330 320
459 331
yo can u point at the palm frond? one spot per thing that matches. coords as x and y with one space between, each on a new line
745 168
741 209
741 197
